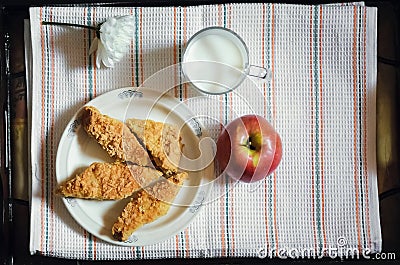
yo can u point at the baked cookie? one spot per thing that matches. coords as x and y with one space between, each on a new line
147 206
162 140
114 137
108 181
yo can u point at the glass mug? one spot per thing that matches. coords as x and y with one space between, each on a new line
216 61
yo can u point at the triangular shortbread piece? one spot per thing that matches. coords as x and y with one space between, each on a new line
109 181
114 137
162 140
148 205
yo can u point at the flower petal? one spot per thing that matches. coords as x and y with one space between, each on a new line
93 46
115 38
108 62
99 54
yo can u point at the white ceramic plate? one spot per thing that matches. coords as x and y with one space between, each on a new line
77 150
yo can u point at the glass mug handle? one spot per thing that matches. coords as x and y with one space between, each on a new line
259 72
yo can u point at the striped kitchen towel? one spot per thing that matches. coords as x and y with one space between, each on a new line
321 99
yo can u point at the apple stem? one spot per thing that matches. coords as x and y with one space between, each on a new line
249 144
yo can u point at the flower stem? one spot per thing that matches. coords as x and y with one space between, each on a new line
69 24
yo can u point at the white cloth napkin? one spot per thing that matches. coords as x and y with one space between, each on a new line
321 99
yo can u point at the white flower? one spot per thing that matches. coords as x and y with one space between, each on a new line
112 41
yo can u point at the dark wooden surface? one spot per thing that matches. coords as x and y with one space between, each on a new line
14 234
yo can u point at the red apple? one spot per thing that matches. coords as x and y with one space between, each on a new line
249 148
